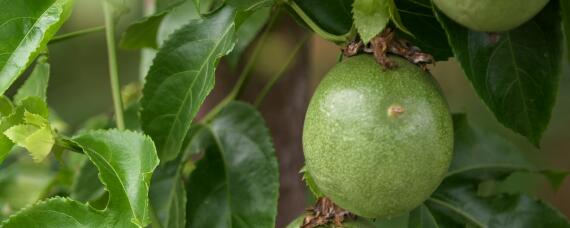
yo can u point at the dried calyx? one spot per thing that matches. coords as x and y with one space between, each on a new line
386 43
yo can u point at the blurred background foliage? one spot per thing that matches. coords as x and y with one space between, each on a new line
79 89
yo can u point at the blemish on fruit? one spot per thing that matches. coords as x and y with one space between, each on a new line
395 110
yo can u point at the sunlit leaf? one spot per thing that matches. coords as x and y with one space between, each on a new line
26 27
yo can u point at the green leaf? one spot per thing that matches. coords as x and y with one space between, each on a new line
395 17
247 32
6 106
249 4
457 201
480 155
27 26
125 161
565 12
56 212
181 77
422 217
334 17
37 140
419 18
86 184
516 73
143 32
476 150
33 105
168 196
37 83
238 176
370 17
126 182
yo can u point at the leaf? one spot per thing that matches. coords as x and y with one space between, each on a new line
334 17
26 28
422 217
248 5
482 155
247 32
238 176
565 12
56 212
168 196
37 83
37 140
458 202
516 73
476 150
395 17
419 18
181 77
30 104
125 161
126 182
86 184
143 32
6 106
370 17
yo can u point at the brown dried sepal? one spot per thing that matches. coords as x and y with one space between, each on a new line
387 43
325 212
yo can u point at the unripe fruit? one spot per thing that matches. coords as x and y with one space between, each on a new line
490 15
377 142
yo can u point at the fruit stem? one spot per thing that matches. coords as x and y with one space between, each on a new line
113 69
238 87
281 71
78 33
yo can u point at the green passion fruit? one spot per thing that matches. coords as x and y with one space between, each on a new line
377 142
490 15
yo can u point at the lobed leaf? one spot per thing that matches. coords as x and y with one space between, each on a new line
181 77
125 161
25 30
370 17
503 69
238 176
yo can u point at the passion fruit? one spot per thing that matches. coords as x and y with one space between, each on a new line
377 142
490 15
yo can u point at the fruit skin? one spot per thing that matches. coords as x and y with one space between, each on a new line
490 15
367 161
